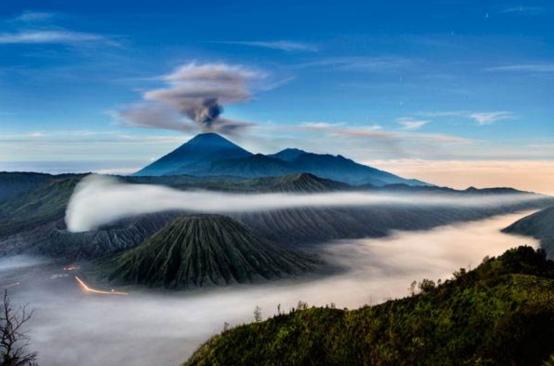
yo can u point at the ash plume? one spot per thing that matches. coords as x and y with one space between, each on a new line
194 93
207 113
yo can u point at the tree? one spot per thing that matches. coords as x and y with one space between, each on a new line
226 326
412 288
258 314
460 273
13 339
426 285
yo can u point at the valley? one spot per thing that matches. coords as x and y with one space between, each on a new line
234 237
33 210
168 326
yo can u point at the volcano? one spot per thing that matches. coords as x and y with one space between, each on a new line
210 154
195 155
203 250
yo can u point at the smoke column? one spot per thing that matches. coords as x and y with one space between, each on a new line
194 93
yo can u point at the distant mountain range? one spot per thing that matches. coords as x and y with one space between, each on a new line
33 206
210 154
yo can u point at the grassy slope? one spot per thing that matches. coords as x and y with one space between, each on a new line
17 183
203 250
501 313
45 204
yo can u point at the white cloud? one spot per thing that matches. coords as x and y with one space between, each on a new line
487 118
100 200
212 72
357 63
532 67
411 123
51 37
523 10
34 16
109 147
358 142
119 170
444 114
482 118
378 133
282 45
322 125
36 27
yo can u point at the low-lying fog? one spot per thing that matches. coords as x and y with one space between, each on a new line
99 200
164 328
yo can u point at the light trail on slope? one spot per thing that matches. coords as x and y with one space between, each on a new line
71 267
85 288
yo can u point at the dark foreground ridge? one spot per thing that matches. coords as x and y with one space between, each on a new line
501 313
206 250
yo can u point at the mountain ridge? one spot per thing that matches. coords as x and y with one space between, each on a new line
196 153
539 225
33 221
210 154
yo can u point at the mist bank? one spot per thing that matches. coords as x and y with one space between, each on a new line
100 200
164 328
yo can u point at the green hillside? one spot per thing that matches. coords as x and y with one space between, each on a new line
501 313
45 204
13 184
205 250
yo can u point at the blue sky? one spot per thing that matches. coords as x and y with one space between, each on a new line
377 81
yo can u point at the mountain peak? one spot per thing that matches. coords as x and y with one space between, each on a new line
289 154
198 152
307 182
292 149
210 139
203 250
